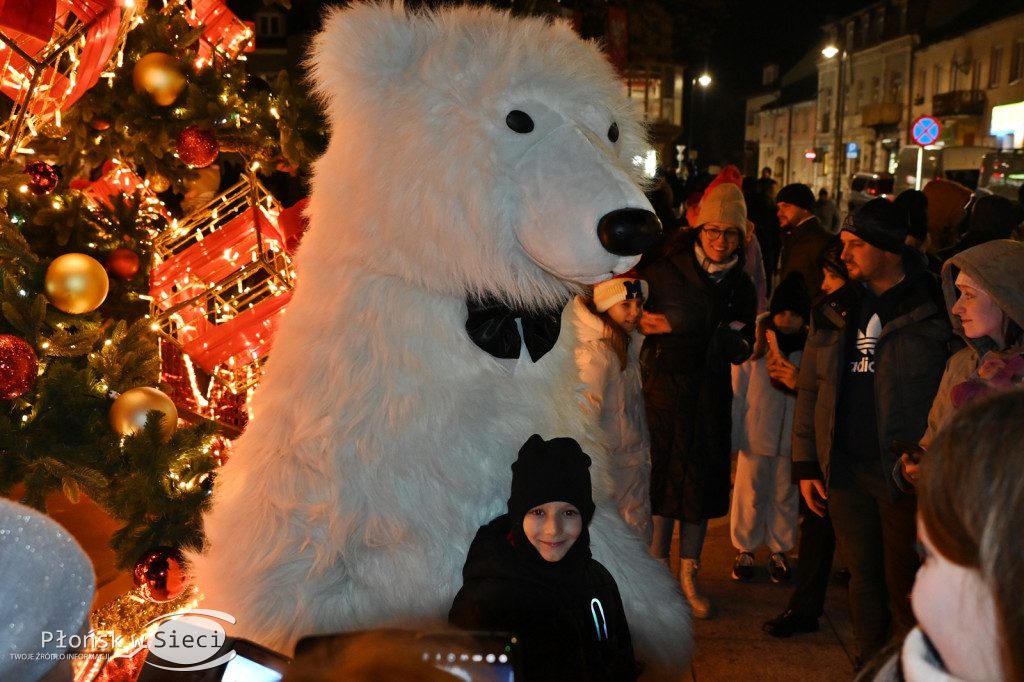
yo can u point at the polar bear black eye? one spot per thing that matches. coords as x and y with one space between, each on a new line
613 132
519 121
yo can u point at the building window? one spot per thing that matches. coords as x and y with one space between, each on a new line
920 86
896 87
269 26
937 80
995 66
876 89
1017 60
976 75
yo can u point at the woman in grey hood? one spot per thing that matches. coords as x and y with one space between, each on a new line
984 290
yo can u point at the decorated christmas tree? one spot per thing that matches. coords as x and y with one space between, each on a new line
139 282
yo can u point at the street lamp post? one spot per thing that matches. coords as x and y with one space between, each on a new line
837 146
704 80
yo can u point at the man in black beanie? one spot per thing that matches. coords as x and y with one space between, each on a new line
803 236
530 572
874 357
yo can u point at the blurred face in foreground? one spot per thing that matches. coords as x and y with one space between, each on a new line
552 528
956 610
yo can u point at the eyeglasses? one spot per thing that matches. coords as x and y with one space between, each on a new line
714 234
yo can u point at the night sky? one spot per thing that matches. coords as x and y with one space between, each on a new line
750 36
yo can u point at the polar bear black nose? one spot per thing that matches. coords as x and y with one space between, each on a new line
628 231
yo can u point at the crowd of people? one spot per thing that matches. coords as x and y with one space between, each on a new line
830 358
867 383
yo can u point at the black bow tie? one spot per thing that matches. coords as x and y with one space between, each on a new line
492 326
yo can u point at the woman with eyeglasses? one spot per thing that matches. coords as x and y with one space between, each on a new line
699 320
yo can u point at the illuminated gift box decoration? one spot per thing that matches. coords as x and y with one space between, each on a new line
121 180
220 282
51 56
224 34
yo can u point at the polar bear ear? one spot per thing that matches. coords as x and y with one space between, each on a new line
366 44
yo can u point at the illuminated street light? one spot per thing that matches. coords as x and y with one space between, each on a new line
704 80
830 51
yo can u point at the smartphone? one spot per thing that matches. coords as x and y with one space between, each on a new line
470 656
483 656
773 342
253 663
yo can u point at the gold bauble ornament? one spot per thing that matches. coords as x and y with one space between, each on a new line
158 183
129 411
160 75
76 283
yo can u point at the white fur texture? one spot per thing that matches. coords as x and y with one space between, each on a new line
382 437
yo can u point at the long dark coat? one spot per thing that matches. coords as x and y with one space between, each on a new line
688 384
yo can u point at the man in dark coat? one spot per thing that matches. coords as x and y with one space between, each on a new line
874 358
803 237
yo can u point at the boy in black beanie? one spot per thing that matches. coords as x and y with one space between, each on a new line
530 572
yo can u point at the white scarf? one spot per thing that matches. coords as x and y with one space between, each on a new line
716 271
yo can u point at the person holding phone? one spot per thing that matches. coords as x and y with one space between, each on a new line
984 291
765 502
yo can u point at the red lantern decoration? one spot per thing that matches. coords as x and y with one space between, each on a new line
18 366
161 575
197 148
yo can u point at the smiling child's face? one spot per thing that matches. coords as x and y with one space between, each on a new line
552 528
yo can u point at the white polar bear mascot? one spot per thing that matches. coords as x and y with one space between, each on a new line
473 157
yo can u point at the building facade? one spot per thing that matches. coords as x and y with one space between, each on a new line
894 61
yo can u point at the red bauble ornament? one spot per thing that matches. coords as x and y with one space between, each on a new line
18 366
161 575
123 262
197 148
43 177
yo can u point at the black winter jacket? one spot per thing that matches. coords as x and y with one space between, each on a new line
909 356
568 615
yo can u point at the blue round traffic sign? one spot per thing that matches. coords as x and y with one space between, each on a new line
925 130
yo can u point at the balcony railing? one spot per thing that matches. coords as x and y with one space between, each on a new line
881 113
959 103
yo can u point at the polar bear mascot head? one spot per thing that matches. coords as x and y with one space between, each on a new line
476 162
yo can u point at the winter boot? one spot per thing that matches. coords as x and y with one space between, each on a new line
699 604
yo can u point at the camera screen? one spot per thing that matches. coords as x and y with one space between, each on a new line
241 669
490 660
